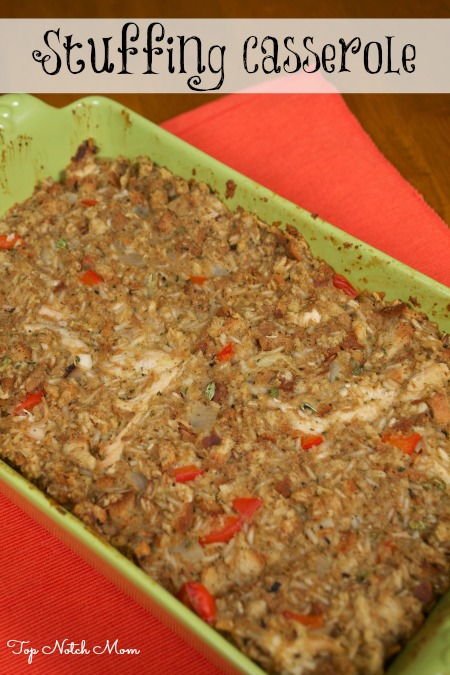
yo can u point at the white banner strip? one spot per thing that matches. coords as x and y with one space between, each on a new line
224 55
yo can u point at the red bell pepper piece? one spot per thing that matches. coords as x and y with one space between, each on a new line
246 506
226 353
29 402
341 282
198 280
89 202
310 441
197 598
309 620
185 473
91 278
7 242
404 442
232 525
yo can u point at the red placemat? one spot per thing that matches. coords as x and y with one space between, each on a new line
310 149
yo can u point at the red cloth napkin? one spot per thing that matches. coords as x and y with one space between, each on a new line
310 149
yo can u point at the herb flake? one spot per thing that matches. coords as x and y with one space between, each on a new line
210 390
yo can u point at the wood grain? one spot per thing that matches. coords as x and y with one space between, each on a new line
412 131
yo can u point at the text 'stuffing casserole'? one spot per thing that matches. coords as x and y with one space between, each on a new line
265 442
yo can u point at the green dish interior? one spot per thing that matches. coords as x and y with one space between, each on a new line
36 141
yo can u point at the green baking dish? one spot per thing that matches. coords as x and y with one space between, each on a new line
36 141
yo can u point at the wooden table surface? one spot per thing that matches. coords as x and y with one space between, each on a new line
411 130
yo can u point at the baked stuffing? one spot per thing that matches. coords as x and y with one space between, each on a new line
262 439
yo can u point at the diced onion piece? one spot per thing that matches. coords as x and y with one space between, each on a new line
203 417
132 258
139 481
84 361
335 371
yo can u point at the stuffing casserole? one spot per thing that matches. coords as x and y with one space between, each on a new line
267 443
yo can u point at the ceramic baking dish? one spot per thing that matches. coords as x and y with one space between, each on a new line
37 141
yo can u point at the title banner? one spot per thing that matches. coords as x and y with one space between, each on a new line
224 55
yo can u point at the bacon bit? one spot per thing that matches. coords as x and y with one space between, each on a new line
287 385
183 474
29 402
247 506
224 311
310 441
91 278
283 487
424 592
393 310
341 282
309 620
211 440
220 393
232 525
89 202
199 281
404 443
196 597
7 241
226 353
